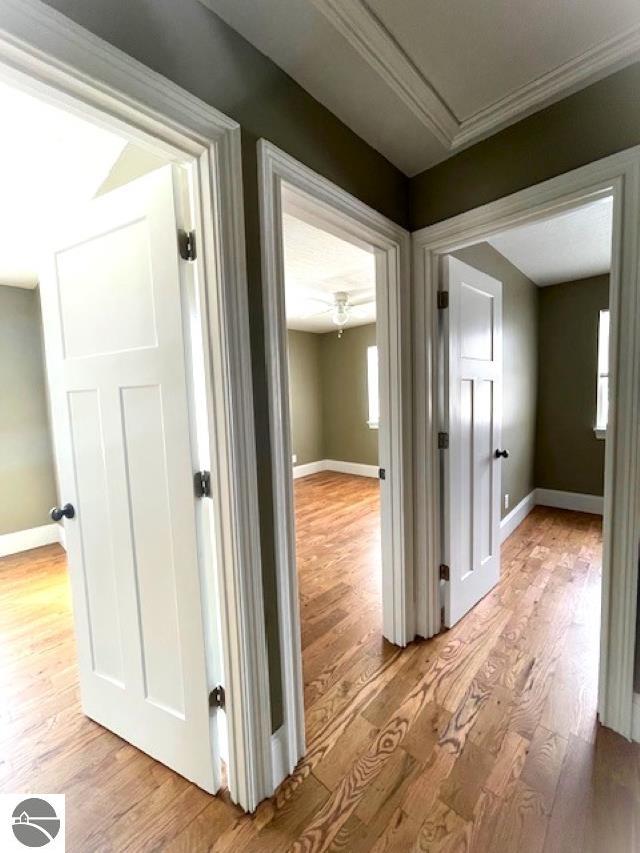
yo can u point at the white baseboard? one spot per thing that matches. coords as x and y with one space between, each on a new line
549 497
517 515
356 468
352 468
570 500
279 761
635 718
308 468
25 540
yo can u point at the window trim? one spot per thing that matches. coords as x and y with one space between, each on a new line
373 387
600 428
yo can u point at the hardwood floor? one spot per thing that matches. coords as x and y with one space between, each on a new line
481 739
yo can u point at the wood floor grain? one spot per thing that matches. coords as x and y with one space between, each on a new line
482 739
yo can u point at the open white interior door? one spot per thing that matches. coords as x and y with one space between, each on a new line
472 345
118 361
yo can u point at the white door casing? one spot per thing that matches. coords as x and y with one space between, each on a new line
48 55
119 364
618 176
472 328
345 215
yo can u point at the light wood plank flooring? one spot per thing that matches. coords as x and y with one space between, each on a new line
482 739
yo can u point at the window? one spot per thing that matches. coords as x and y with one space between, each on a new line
602 400
372 386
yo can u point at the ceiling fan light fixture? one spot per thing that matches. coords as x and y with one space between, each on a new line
341 310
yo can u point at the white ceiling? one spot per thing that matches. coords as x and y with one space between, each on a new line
319 264
51 163
420 80
568 247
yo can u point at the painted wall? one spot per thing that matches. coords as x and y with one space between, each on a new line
347 437
328 396
520 368
305 396
600 120
133 162
190 45
569 457
27 478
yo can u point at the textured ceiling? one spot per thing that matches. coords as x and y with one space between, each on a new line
319 264
574 245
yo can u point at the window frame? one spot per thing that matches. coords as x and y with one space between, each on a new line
602 376
373 387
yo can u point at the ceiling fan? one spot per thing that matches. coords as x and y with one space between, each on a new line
341 306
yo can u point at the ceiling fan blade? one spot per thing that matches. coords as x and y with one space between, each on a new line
309 315
363 300
360 311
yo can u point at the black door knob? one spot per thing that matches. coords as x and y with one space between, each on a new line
503 453
57 513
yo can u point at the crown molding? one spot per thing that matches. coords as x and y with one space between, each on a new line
369 36
601 59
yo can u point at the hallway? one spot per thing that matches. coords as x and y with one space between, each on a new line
481 739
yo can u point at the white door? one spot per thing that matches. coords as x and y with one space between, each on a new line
472 327
118 362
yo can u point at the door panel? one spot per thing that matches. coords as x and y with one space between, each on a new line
473 352
97 549
118 372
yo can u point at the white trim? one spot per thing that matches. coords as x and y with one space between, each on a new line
619 176
600 434
549 497
517 515
570 500
358 469
391 245
308 468
62 536
635 723
25 540
367 34
279 756
48 55
596 62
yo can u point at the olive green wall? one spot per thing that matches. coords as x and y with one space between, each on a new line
520 369
190 45
344 391
328 396
27 478
569 457
305 396
598 121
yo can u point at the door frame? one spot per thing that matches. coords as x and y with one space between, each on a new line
392 247
617 176
47 55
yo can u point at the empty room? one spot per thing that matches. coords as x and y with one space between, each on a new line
319 407
334 403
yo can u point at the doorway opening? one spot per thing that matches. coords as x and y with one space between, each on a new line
525 349
332 351
296 199
107 399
